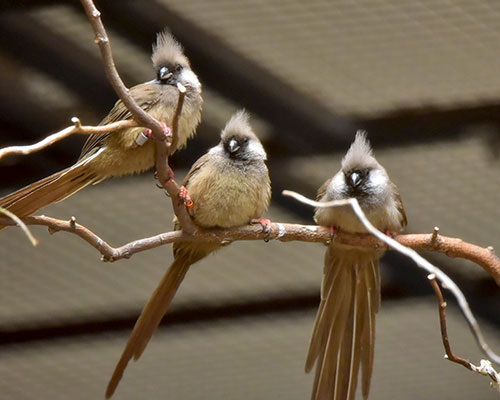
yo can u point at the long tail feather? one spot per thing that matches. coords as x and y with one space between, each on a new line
150 318
344 330
53 188
326 313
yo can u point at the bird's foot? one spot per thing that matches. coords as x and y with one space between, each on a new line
169 177
265 224
184 196
166 131
391 234
331 229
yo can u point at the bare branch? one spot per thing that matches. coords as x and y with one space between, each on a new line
485 368
101 39
165 174
279 231
417 258
442 321
76 129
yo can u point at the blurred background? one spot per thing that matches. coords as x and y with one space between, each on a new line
422 77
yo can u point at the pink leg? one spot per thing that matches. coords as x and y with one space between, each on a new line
166 131
332 230
184 196
391 234
264 222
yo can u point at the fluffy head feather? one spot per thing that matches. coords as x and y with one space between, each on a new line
360 154
168 51
238 125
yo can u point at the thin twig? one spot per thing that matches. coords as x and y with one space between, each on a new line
101 39
165 174
20 223
442 321
76 129
417 258
485 367
175 120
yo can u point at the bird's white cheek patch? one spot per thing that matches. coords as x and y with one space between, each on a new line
337 184
189 77
378 181
257 149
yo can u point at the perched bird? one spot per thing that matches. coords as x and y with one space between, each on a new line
344 330
120 153
229 187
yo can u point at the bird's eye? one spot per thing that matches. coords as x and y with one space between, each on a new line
177 68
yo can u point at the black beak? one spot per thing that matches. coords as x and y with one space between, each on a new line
233 146
354 179
164 74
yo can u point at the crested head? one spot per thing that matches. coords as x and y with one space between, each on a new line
360 154
168 51
361 176
239 139
238 125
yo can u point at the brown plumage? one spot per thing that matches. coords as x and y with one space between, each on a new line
343 336
116 154
230 187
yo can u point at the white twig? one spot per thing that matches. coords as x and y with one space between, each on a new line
445 280
486 369
21 224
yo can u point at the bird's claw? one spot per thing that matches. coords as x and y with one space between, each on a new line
184 196
391 234
266 226
166 131
331 230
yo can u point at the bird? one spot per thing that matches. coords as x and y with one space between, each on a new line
122 152
227 187
343 335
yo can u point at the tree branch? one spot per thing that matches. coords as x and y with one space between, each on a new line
101 39
76 129
485 367
20 224
283 232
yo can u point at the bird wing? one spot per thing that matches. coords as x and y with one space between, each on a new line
399 205
322 189
195 168
144 94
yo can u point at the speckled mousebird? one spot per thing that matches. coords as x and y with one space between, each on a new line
118 153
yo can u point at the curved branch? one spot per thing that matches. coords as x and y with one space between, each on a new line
485 368
21 224
421 262
101 39
76 129
283 232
